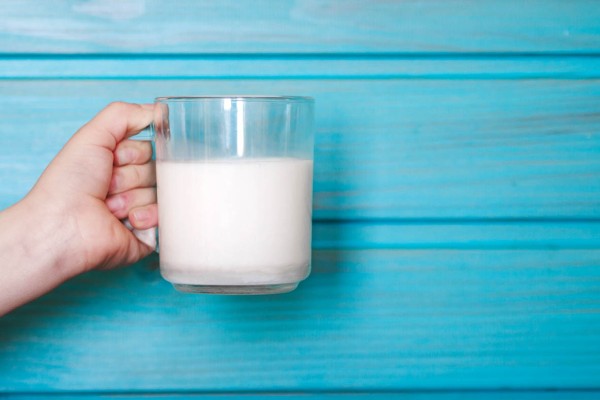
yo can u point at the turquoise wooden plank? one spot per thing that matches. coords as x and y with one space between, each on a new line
412 395
365 320
456 234
299 26
299 67
384 148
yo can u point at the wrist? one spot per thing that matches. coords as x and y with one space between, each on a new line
32 255
49 234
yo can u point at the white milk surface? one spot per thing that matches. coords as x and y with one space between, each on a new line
235 222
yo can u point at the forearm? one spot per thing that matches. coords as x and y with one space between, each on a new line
34 255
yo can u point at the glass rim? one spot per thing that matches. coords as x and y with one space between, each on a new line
306 99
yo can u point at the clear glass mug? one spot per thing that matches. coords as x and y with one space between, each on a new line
234 187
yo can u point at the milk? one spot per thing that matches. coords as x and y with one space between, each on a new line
235 222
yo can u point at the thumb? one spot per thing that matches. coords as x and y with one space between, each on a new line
115 123
85 164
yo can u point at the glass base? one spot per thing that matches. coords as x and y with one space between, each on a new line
237 289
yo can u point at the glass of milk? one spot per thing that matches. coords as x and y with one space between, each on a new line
234 186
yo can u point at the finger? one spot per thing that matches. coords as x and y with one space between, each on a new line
133 152
121 204
115 123
144 217
132 176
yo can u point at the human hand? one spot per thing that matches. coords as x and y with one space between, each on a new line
98 179
70 222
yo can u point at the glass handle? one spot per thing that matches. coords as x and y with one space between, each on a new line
145 134
147 236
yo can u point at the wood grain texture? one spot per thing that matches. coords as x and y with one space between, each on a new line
412 395
144 67
138 26
387 148
456 234
457 199
364 320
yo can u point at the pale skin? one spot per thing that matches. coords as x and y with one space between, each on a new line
70 222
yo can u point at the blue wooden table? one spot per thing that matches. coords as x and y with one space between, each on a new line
456 209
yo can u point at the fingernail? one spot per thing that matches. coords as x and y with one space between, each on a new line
115 203
141 215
